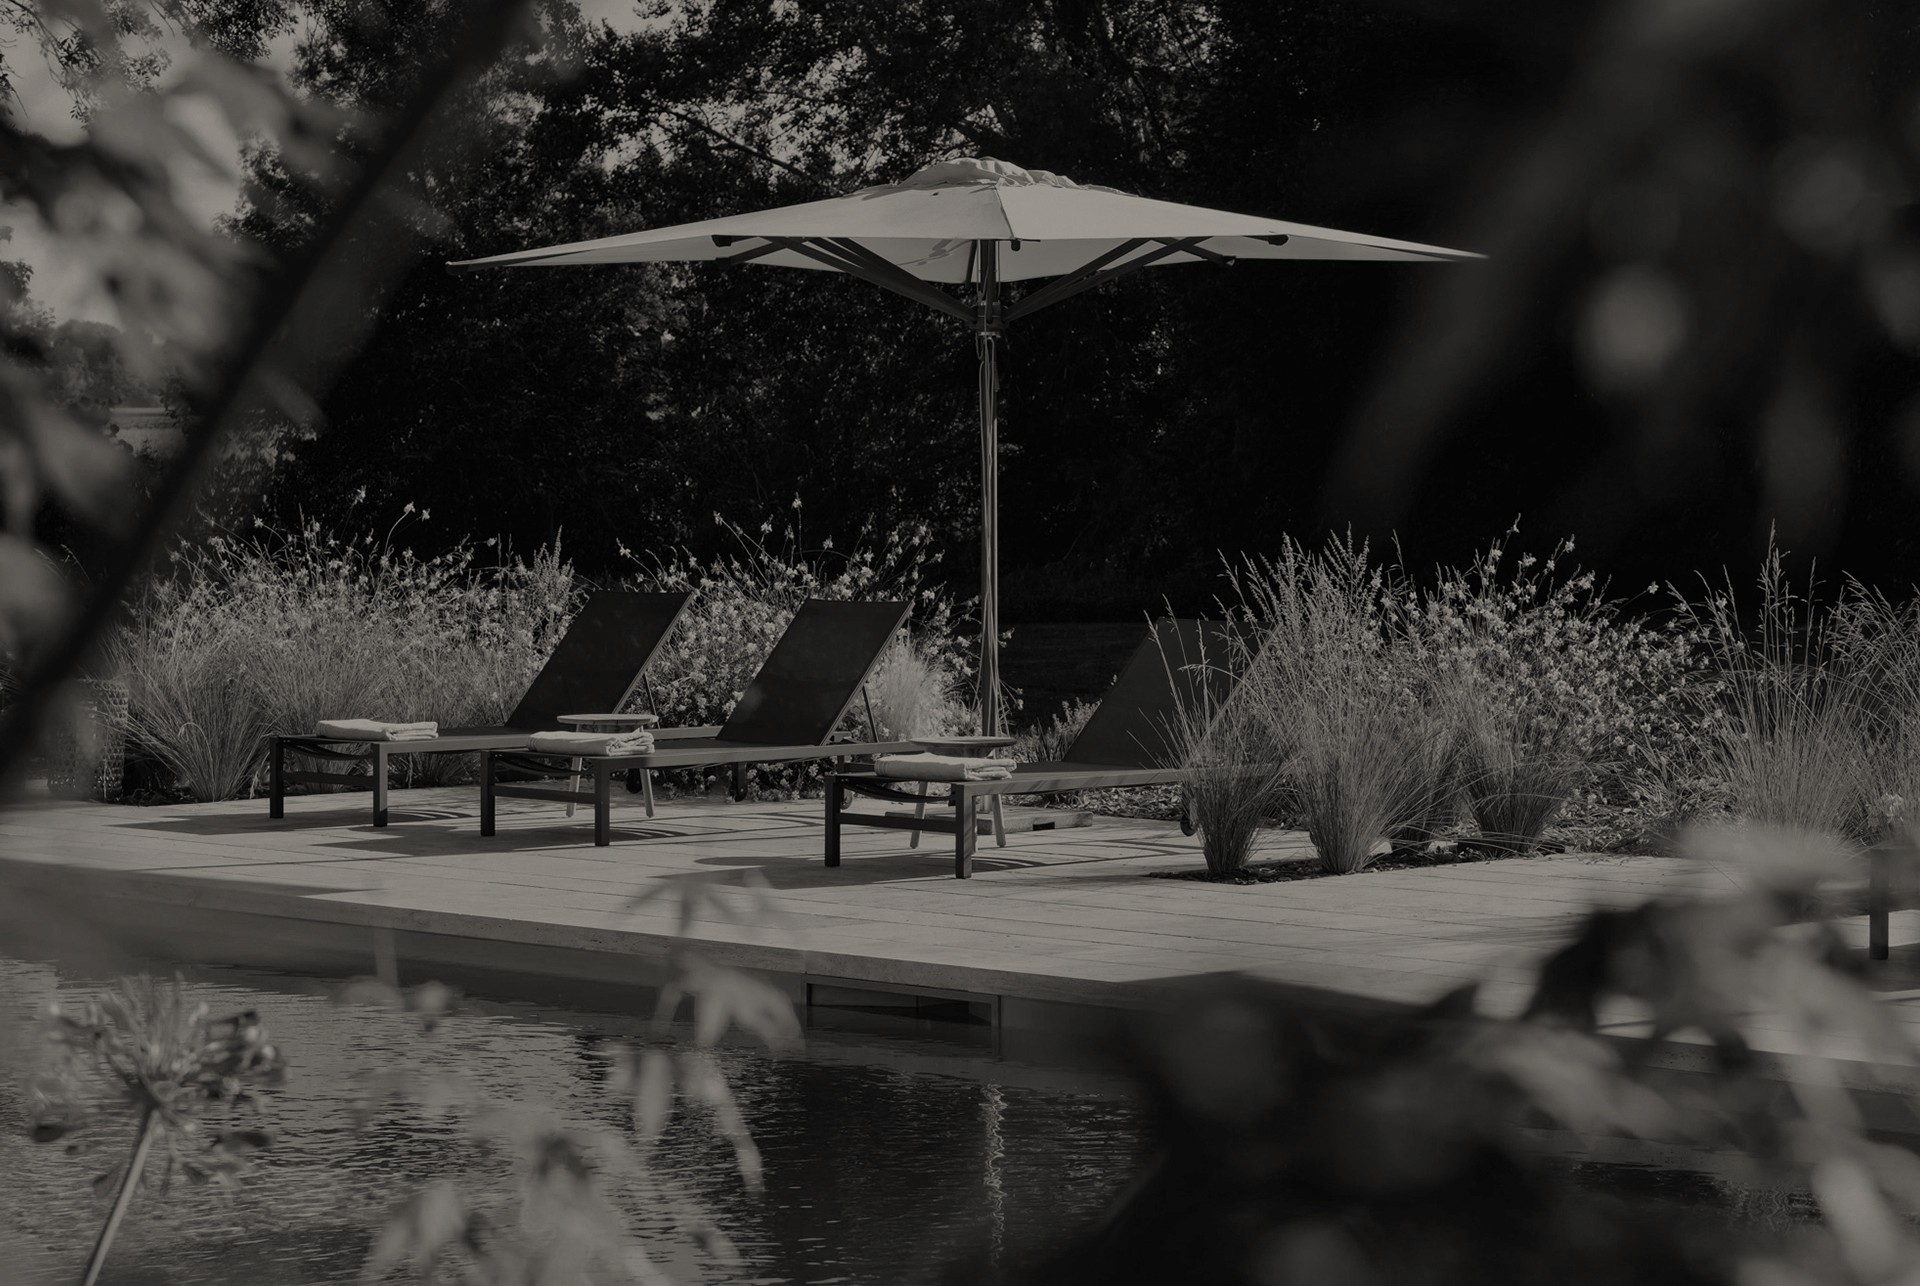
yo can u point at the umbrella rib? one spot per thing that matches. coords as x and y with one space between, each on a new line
1053 290
904 281
758 252
1098 274
857 260
1200 251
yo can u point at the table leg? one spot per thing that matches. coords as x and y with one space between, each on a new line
964 842
919 815
379 785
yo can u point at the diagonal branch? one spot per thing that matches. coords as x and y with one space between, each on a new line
759 154
280 336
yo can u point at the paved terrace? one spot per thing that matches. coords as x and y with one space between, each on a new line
1056 919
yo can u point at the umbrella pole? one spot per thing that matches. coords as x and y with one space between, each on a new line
988 329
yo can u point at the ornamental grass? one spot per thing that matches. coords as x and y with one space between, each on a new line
1793 743
279 629
1329 693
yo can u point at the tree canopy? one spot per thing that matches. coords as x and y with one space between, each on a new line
1153 425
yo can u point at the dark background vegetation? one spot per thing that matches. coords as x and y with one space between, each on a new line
1630 179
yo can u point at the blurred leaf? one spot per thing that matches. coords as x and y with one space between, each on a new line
82 467
32 596
104 1182
724 997
1767 859
436 1218
244 1142
705 1083
1872 1238
1577 1079
653 1095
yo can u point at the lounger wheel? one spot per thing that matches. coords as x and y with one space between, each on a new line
636 780
1186 823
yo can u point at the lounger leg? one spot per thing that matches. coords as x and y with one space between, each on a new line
964 834
739 782
646 789
919 815
486 792
380 784
573 782
276 779
999 821
1879 898
602 806
834 802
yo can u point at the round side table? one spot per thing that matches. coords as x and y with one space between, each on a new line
966 747
610 723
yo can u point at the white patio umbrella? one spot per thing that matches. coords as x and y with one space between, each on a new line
980 223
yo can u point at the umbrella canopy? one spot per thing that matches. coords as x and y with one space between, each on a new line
979 222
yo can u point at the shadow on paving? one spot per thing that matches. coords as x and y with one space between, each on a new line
251 824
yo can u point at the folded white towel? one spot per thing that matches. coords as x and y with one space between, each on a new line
943 768
374 730
579 744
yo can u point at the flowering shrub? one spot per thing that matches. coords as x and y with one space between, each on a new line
743 601
1047 740
276 631
1546 686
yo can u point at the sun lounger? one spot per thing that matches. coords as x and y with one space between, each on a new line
786 715
594 669
1127 742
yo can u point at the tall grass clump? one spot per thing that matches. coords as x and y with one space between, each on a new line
744 598
1792 743
1232 770
915 691
1329 690
1878 643
279 629
1542 688
193 706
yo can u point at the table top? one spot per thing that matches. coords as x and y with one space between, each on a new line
959 745
617 722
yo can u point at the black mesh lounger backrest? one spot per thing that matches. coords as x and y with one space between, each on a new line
1188 663
600 659
814 673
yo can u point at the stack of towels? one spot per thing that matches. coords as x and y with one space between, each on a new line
943 768
579 745
374 730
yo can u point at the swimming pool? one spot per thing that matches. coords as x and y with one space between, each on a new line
887 1157
893 1149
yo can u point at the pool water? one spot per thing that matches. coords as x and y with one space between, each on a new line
886 1159
892 1153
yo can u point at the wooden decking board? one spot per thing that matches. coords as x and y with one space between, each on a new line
1058 916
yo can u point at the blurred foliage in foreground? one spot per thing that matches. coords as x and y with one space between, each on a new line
1387 1147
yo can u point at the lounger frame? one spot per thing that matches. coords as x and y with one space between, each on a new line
964 798
1125 743
374 757
704 753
